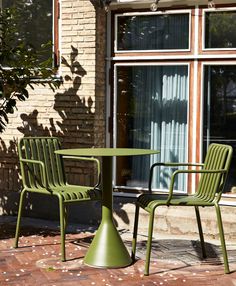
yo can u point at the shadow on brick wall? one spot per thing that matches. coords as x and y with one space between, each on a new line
75 129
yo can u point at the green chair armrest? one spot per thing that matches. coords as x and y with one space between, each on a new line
175 164
92 159
171 165
42 168
177 172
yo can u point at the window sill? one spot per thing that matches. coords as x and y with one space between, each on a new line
55 78
134 193
228 199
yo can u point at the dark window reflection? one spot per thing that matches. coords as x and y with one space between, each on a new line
220 30
34 23
153 32
220 111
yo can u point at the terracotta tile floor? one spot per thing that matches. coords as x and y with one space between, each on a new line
37 261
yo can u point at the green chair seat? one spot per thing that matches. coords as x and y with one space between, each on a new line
42 171
213 174
148 202
74 193
71 193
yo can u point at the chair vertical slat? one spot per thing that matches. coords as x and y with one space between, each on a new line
220 157
210 182
35 156
24 172
47 162
53 163
30 171
59 163
206 180
40 157
211 165
203 178
33 152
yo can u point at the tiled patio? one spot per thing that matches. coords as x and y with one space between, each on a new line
37 262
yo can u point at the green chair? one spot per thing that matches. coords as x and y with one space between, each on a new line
208 193
43 172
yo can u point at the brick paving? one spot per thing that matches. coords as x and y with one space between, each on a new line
37 260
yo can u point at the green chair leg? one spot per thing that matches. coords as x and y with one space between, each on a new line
19 218
62 228
222 239
134 240
149 243
200 231
65 218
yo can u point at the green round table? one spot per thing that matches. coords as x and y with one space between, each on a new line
107 249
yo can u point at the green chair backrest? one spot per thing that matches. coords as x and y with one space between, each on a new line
211 185
40 149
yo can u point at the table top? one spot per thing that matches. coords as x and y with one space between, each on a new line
107 152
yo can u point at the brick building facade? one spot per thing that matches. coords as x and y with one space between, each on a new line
75 112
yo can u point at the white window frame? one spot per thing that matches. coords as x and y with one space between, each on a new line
226 198
213 10
155 63
196 59
169 12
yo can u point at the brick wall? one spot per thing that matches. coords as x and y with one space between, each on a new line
75 112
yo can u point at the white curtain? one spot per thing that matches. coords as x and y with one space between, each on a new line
160 119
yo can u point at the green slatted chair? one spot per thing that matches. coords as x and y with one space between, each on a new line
210 187
42 172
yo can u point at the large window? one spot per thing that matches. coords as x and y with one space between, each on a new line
163 99
35 24
151 112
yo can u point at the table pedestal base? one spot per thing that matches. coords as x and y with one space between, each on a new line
107 249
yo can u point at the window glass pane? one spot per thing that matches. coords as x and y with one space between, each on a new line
220 30
34 24
153 32
220 110
152 107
